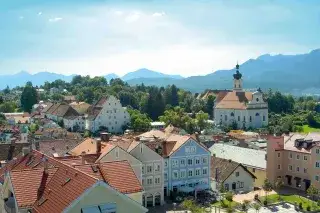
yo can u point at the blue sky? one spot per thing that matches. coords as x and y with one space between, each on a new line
179 37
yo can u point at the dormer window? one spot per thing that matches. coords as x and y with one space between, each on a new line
297 144
305 145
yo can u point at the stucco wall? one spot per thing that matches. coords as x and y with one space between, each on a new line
101 195
243 177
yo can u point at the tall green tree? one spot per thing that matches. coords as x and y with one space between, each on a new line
8 107
202 120
209 105
28 97
139 122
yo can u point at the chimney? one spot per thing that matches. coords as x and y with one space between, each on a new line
45 164
104 136
98 143
82 158
25 150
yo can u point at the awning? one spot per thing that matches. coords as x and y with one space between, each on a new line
297 178
186 189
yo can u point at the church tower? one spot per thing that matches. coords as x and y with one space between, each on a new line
237 81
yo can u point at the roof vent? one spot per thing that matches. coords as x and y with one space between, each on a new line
67 181
94 168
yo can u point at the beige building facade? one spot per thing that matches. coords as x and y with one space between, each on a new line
295 158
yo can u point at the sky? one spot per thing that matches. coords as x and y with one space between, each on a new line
95 37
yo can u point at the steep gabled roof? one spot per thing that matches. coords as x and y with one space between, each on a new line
221 168
233 100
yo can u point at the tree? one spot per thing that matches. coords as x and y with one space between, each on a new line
209 105
28 97
278 184
192 206
202 120
8 107
267 187
257 207
312 191
6 90
230 209
33 128
245 205
139 122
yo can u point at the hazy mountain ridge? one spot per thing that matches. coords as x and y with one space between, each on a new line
280 72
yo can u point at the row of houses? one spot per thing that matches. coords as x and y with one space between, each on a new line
107 114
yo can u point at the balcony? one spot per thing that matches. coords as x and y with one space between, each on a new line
9 205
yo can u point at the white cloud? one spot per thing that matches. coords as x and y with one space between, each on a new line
55 19
132 17
40 13
158 14
118 13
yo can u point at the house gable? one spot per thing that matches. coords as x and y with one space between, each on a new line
190 148
147 154
100 193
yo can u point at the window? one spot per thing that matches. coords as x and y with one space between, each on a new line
257 99
298 157
225 117
182 173
204 171
197 161
190 162
253 170
175 175
190 173
143 181
141 148
290 155
297 169
149 181
237 174
317 164
157 167
305 170
316 178
182 162
197 172
305 157
264 118
250 119
317 151
165 175
226 186
279 166
190 149
257 114
165 163
279 154
157 180
175 163
241 185
232 114
238 118
149 169
244 118
290 168
204 160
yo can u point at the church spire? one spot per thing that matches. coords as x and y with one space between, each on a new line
237 81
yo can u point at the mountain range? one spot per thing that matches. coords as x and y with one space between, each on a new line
287 73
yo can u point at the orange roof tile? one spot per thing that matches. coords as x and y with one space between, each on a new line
26 183
88 145
234 100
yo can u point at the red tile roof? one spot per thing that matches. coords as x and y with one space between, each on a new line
26 183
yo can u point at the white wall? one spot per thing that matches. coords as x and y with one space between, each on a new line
243 177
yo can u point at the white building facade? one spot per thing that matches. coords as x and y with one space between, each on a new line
245 109
108 113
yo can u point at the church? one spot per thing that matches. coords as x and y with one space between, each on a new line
246 109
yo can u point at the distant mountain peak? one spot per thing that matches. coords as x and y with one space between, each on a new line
146 73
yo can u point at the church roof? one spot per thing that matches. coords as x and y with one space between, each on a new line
234 100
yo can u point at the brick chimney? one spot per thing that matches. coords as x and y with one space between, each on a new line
104 136
45 164
98 144
82 158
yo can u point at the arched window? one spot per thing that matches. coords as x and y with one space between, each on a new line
226 186
264 118
232 114
257 99
257 114
225 117
250 118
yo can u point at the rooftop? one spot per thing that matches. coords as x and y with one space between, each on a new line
245 156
